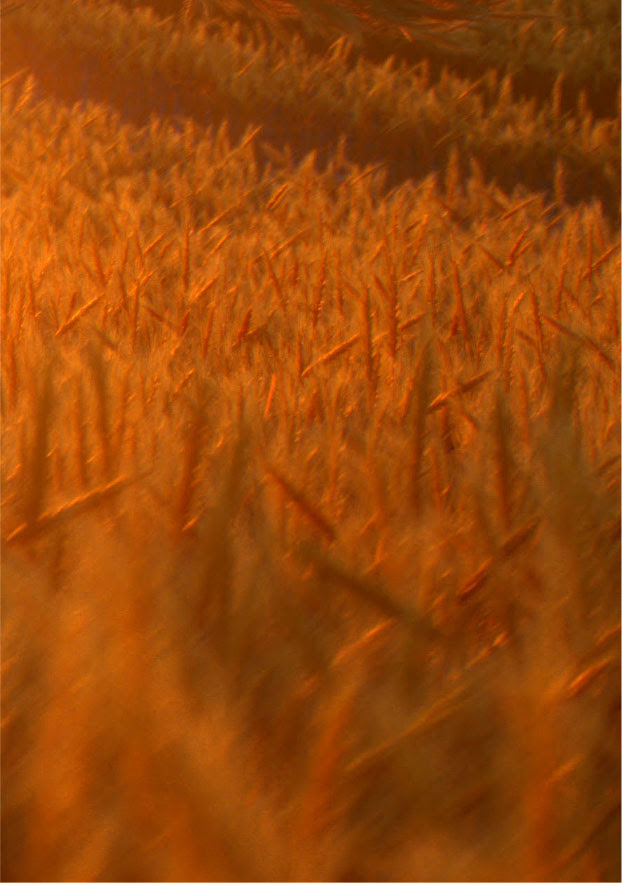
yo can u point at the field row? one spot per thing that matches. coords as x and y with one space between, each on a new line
385 114
532 44
176 250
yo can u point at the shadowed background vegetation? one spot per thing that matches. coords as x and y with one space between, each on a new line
311 441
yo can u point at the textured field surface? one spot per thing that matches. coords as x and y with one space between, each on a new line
310 443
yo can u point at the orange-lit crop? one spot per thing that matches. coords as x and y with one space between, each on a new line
310 444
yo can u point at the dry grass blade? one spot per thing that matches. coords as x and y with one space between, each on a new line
13 77
218 246
243 329
101 276
276 284
460 317
100 382
408 323
445 397
368 351
585 680
317 301
276 198
378 635
434 715
320 800
520 537
188 480
509 546
71 321
203 289
268 406
403 326
355 178
612 634
393 301
153 244
249 138
478 579
369 591
599 261
585 339
83 503
609 815
517 208
332 354
310 511
503 444
422 392
38 459
208 331
516 251
283 246
493 257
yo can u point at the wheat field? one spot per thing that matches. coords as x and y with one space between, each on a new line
310 445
